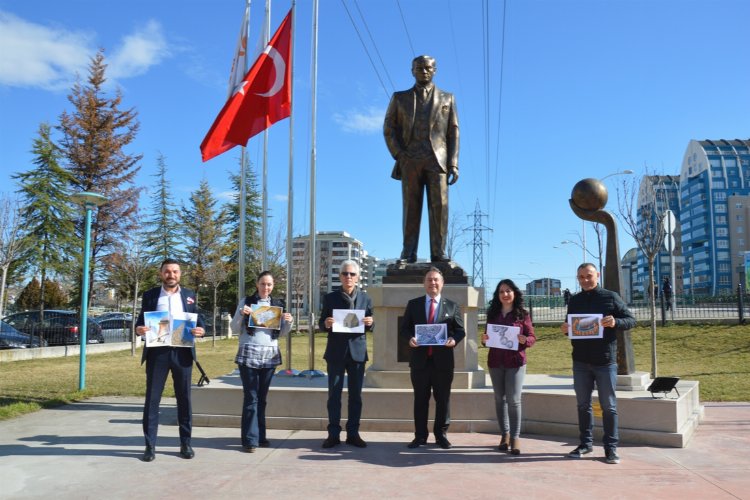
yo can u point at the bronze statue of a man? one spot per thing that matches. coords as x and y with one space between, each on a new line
421 131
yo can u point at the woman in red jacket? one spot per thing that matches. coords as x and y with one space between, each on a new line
508 366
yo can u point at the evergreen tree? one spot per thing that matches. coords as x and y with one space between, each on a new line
46 213
253 211
203 227
94 137
162 236
31 296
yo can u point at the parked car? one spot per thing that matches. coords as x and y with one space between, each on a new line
58 328
115 329
10 338
113 315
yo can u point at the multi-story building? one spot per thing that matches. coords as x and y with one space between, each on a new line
657 194
544 286
331 249
715 177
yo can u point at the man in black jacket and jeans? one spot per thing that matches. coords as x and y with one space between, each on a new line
595 361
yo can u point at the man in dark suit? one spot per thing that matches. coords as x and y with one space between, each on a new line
421 132
162 360
345 353
432 366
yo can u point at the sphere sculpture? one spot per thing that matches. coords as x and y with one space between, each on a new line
590 194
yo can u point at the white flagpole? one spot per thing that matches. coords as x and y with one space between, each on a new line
290 198
312 284
244 32
264 218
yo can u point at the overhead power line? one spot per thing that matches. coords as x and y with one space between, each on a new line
364 46
375 46
408 37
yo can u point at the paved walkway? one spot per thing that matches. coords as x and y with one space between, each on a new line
92 450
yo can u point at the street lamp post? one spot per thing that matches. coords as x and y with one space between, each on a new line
89 201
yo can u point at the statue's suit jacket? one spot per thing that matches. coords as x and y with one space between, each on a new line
449 313
149 302
399 121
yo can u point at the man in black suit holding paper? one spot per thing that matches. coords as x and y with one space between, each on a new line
432 366
162 360
346 353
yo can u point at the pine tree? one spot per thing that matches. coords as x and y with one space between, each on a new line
163 227
203 228
253 211
94 137
46 213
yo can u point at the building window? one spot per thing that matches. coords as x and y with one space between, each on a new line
720 208
722 231
740 229
722 243
738 204
740 218
721 196
741 242
721 219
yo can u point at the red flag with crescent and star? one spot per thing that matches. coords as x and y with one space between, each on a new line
263 97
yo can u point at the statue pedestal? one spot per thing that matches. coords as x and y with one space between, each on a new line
390 363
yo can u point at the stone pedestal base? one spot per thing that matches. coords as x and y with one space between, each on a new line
390 357
637 381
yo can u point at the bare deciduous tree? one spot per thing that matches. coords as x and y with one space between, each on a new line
642 215
11 241
215 274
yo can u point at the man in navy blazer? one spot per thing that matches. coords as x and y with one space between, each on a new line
421 132
345 353
432 366
162 360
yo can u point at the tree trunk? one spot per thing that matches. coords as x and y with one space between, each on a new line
134 319
2 289
652 312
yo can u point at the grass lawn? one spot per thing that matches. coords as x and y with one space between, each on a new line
718 356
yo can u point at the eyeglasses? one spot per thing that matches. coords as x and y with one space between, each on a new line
347 273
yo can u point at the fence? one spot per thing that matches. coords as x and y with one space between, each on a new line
726 307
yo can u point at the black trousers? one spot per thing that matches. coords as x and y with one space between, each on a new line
427 381
159 362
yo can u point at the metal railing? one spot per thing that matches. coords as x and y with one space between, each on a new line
686 308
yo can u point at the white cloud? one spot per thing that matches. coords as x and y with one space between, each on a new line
32 55
363 122
49 58
280 197
139 51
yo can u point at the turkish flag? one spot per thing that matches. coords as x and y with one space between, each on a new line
261 99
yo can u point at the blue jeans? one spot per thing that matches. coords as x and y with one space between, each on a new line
355 374
255 385
605 376
507 383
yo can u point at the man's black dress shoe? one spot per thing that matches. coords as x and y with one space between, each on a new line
416 443
443 443
249 449
186 451
356 441
330 442
149 454
264 443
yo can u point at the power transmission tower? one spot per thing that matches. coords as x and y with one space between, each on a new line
478 228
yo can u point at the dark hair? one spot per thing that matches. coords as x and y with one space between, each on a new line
519 312
168 261
434 269
588 264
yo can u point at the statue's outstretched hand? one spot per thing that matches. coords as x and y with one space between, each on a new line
452 175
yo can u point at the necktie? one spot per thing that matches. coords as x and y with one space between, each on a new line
431 319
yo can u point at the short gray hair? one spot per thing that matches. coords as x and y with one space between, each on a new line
349 263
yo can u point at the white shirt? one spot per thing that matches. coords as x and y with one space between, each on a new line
171 302
428 299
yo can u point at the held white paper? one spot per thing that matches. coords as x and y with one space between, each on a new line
348 320
431 334
503 336
166 330
585 326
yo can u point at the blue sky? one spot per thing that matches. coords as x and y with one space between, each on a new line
588 88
